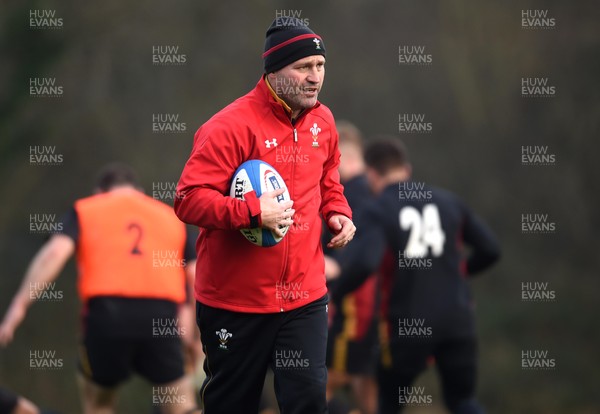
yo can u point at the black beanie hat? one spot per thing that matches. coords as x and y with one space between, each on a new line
289 39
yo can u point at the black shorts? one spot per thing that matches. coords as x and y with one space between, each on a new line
121 335
8 401
349 353
455 360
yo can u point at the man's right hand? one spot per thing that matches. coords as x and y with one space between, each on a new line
274 214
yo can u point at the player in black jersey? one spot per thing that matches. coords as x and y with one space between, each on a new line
426 300
352 343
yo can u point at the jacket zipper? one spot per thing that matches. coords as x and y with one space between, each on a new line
286 241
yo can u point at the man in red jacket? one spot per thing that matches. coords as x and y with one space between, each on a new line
260 306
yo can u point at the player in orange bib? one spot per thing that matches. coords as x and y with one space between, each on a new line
132 257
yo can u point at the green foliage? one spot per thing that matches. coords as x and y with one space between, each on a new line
102 56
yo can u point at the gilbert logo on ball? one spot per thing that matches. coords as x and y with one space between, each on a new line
260 177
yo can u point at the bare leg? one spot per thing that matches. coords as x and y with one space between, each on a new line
96 399
335 381
182 401
365 391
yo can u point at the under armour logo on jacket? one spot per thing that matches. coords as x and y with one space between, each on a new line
272 142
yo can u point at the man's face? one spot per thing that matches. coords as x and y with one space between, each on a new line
351 163
300 82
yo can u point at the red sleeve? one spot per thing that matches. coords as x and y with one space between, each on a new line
203 189
333 200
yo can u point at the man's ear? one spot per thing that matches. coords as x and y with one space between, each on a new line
408 170
372 178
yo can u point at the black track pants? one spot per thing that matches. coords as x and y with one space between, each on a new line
240 346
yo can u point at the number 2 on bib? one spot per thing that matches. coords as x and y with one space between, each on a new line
425 231
135 250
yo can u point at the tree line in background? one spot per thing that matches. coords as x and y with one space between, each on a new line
469 92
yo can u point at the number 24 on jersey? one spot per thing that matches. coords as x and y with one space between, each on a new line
425 231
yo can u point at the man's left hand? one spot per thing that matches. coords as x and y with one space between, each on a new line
344 231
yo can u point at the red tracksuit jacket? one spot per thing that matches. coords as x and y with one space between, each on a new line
231 272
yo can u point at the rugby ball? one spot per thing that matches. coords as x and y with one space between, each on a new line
260 177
